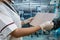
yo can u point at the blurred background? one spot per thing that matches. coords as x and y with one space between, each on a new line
29 8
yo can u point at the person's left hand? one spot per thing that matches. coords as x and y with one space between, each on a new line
28 20
47 25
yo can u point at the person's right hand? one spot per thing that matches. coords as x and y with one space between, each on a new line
28 20
47 25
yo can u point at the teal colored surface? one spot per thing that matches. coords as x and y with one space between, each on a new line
41 37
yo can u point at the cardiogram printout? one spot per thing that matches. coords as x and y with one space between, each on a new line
41 18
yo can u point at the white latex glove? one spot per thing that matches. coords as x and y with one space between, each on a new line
28 20
47 25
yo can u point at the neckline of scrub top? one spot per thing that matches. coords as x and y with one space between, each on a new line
9 6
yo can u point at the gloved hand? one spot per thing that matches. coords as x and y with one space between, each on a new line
28 20
47 25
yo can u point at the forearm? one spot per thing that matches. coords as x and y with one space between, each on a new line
19 32
22 23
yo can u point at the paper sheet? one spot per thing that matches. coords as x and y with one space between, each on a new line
41 18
